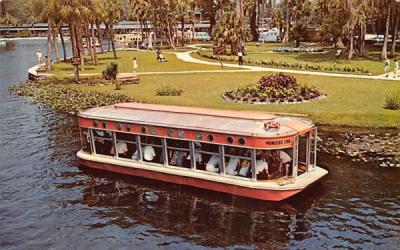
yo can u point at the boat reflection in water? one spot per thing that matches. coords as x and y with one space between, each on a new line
199 216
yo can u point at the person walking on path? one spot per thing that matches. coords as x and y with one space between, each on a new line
387 67
396 68
39 56
158 54
240 57
135 65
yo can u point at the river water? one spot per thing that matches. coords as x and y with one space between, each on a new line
48 201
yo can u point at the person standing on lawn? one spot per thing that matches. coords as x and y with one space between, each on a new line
387 67
240 57
135 65
39 56
396 68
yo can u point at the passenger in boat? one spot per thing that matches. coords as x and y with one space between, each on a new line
197 155
244 168
280 163
122 149
233 163
261 169
212 164
286 161
148 153
177 158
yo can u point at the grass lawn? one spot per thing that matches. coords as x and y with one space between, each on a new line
350 102
370 61
146 61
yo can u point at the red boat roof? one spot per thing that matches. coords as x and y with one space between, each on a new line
222 121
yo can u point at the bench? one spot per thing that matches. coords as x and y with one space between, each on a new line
128 78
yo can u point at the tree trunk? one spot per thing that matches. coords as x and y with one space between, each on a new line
361 39
63 43
386 38
94 47
351 45
394 33
54 43
253 22
183 31
79 39
74 50
49 43
99 36
88 43
170 41
287 23
108 35
111 35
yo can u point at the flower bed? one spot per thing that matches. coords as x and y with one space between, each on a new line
279 64
279 88
298 50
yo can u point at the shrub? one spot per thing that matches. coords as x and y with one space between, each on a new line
110 73
118 85
393 101
168 90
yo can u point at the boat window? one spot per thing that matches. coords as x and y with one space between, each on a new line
86 140
151 149
126 145
178 152
273 164
103 142
237 161
207 157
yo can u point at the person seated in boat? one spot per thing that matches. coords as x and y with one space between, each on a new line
213 163
148 153
286 162
122 149
197 155
262 165
233 163
177 158
279 165
245 168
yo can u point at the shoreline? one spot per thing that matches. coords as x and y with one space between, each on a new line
365 145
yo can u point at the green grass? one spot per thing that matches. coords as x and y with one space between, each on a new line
350 102
146 61
369 61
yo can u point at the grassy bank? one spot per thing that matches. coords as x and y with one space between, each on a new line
146 61
370 61
349 102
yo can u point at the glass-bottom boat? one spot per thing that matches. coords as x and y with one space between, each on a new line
251 154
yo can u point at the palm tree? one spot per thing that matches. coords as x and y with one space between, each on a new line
231 29
111 12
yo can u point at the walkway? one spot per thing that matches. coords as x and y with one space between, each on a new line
186 57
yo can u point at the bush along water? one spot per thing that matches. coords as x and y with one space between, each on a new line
279 64
66 99
278 88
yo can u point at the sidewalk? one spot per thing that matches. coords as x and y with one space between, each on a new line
185 56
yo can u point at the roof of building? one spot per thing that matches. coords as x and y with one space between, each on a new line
245 123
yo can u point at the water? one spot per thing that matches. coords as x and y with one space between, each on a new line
48 201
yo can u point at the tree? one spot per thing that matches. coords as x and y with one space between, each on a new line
231 29
110 12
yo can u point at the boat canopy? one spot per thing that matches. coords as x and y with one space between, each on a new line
245 123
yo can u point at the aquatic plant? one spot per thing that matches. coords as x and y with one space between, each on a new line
65 98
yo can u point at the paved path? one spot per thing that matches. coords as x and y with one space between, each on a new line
185 56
